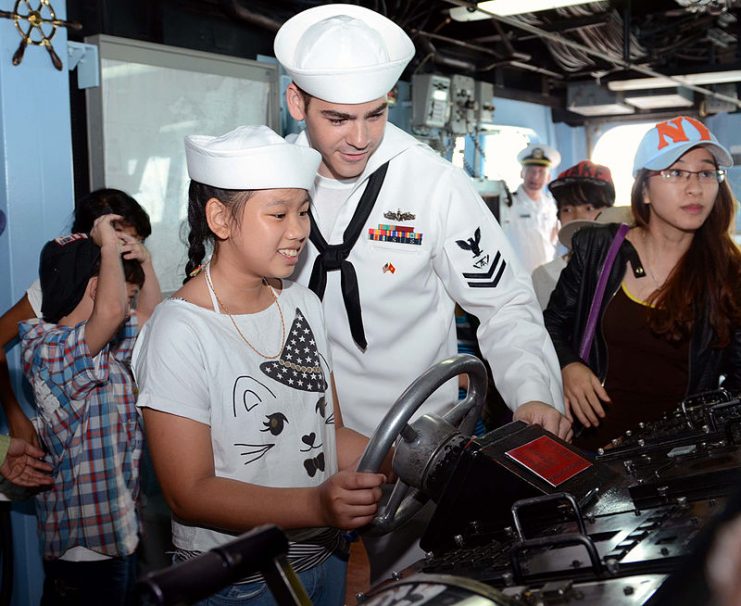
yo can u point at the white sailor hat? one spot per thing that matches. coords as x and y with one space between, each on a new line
250 157
609 214
343 53
537 154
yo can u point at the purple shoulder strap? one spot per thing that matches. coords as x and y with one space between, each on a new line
599 293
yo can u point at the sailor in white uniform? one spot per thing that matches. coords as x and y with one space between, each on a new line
399 236
530 222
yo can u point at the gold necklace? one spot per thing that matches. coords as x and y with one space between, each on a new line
239 332
648 266
653 277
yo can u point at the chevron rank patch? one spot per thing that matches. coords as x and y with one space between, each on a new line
401 234
490 278
478 266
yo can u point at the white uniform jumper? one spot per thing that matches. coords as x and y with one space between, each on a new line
530 226
429 242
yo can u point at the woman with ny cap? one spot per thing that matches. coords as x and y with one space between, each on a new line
670 321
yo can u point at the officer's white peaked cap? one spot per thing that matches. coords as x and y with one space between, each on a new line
537 154
343 53
250 157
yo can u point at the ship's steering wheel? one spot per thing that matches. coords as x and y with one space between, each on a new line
404 500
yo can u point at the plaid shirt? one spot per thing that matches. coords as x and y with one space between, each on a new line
92 431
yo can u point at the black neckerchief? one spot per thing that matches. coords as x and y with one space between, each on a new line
332 257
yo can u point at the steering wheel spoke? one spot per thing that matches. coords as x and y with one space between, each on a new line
464 414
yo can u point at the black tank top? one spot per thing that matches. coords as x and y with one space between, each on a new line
646 374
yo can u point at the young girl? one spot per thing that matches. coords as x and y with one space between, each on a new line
235 377
670 322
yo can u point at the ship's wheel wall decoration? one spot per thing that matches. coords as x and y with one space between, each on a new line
37 27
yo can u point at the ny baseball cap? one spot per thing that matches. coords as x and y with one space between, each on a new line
667 141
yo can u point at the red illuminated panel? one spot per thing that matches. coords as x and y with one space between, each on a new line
549 460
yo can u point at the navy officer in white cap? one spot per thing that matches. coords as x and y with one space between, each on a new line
399 236
530 222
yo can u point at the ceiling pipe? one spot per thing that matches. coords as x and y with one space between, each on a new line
561 27
626 31
537 70
245 14
605 55
515 56
432 53
467 45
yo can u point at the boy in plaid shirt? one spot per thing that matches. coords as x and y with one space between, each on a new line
78 361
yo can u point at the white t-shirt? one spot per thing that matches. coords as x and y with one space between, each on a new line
334 195
34 297
272 421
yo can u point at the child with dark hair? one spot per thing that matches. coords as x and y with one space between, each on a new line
582 193
134 227
112 201
77 360
582 190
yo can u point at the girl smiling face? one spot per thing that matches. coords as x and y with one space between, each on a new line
268 233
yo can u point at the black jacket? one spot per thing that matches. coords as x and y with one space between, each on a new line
568 309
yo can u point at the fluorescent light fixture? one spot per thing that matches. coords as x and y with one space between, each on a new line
590 99
733 75
668 97
606 109
509 7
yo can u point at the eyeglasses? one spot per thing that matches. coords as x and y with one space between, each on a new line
678 175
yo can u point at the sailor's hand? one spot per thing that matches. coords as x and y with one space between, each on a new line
540 413
584 394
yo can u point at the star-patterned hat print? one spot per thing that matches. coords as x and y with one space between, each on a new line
299 366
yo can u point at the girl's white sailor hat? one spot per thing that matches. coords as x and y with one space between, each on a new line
343 53
250 157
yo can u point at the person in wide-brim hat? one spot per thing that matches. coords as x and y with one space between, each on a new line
584 195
